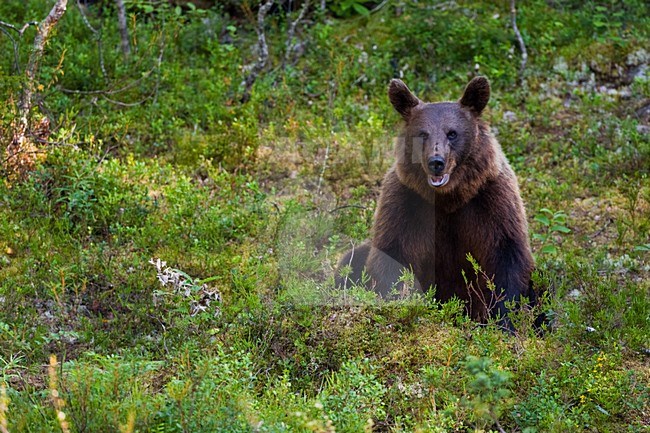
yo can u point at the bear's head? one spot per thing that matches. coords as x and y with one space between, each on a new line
439 138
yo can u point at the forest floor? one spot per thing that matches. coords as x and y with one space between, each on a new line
167 254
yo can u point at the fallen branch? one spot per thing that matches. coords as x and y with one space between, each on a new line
263 51
501 430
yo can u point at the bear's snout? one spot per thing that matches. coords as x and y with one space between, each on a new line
438 170
436 165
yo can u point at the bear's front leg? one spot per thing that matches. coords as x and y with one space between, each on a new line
512 271
387 270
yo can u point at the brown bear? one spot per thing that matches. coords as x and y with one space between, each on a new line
450 193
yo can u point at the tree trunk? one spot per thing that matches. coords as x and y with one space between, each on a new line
43 33
23 152
124 30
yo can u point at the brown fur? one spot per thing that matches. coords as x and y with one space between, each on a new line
431 229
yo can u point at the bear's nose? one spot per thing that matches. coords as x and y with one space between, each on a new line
436 165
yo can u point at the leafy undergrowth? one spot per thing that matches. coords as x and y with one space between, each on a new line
175 248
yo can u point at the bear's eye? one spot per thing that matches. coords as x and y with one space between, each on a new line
452 135
423 135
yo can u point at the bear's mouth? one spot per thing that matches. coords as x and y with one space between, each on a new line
438 181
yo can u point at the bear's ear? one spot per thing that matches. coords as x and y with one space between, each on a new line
477 95
401 97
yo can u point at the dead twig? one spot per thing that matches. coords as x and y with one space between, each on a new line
290 46
263 51
21 30
602 229
520 40
322 172
152 95
379 6
161 54
98 37
4 29
130 104
16 66
128 86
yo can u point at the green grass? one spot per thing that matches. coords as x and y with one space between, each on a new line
250 206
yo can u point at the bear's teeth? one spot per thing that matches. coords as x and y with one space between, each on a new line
438 181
